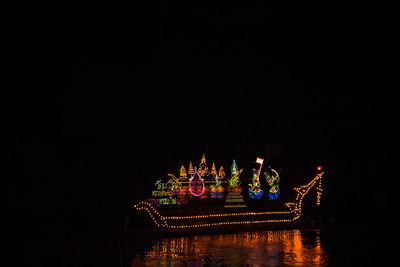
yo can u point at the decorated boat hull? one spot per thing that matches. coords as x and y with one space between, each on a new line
231 219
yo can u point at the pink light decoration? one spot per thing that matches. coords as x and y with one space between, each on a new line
259 161
195 183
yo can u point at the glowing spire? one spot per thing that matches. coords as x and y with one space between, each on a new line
183 173
213 169
203 159
203 169
221 172
234 168
191 170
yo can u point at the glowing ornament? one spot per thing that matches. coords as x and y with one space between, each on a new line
183 173
191 170
203 169
255 190
169 192
273 181
234 168
196 184
215 190
234 199
234 181
213 169
221 172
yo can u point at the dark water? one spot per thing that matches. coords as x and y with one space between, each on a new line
264 248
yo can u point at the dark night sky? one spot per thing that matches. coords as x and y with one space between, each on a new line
106 97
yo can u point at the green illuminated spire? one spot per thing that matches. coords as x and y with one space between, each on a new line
234 168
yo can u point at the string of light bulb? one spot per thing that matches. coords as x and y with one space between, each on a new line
294 208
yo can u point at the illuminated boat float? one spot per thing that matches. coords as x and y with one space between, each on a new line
234 214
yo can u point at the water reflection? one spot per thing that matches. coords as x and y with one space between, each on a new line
264 248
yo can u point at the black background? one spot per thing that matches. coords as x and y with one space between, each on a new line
105 97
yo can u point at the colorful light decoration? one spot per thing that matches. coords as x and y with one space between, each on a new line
190 170
215 190
203 169
255 190
169 191
196 184
234 168
168 201
221 172
273 181
213 169
294 209
234 199
234 181
174 185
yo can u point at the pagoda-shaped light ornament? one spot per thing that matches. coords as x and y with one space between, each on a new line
190 170
203 169
183 173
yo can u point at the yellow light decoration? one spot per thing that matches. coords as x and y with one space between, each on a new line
161 194
221 172
203 169
190 170
183 174
213 169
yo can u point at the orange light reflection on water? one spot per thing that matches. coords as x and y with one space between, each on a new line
271 248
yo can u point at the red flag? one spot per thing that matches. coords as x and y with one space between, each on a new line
260 161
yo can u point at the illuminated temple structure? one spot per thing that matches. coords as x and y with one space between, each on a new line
234 199
174 204
213 180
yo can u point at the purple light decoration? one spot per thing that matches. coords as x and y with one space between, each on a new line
195 183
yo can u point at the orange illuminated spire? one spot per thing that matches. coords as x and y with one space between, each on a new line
203 159
183 173
221 172
191 170
213 169
203 169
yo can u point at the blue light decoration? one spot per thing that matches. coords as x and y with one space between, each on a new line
272 196
234 168
273 181
255 190
256 195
